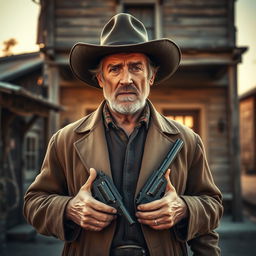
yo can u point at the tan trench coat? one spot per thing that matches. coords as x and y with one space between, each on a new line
81 145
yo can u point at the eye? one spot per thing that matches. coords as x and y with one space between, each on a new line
136 68
114 69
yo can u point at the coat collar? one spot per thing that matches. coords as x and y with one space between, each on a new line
92 146
160 137
161 123
90 122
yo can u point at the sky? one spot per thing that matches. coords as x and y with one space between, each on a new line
246 36
18 19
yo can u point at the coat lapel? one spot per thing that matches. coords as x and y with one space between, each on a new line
158 142
92 147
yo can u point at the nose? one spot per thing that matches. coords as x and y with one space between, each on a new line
126 77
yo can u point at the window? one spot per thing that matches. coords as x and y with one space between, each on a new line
189 118
31 155
147 11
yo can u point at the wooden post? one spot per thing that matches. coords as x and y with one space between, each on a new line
234 147
50 28
53 80
2 193
46 132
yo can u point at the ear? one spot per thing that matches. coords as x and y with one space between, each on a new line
152 79
100 79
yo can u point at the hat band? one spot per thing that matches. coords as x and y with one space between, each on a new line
124 43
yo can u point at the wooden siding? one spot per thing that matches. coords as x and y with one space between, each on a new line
81 20
198 23
191 23
78 99
247 134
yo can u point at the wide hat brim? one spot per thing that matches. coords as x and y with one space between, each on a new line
163 52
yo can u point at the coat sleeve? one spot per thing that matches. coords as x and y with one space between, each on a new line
47 197
204 202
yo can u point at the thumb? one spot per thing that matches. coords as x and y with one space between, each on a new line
88 184
169 186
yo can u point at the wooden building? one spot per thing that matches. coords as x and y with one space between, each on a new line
248 131
203 92
24 121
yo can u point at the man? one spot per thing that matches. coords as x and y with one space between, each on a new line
127 139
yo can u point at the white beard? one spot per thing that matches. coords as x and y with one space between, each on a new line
127 109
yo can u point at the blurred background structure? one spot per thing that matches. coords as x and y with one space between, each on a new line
39 95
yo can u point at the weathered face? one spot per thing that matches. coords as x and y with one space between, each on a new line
125 81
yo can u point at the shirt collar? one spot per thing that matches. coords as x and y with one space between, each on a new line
109 120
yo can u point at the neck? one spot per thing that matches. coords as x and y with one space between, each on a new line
126 121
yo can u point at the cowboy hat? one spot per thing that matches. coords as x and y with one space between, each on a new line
124 34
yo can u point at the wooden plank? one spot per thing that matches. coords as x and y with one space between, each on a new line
234 143
194 21
50 27
78 32
22 106
67 42
52 72
80 21
196 3
88 12
84 3
197 42
231 23
195 11
192 31
247 134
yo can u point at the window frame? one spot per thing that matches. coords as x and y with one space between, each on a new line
157 10
29 174
202 108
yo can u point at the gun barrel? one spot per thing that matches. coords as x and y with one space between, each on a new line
178 144
154 187
127 215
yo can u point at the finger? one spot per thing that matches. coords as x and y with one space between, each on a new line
152 206
90 227
162 226
91 223
102 224
98 215
169 186
157 223
88 184
152 215
101 207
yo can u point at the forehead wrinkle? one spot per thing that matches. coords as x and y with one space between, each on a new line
123 58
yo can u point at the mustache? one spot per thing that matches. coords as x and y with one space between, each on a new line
127 88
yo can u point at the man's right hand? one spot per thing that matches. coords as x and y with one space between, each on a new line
88 212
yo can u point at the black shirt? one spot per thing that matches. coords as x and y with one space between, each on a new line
125 154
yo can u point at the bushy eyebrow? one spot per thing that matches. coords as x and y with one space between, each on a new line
114 65
120 64
135 63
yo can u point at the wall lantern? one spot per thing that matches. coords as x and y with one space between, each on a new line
221 125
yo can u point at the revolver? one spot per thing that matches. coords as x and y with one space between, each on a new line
104 190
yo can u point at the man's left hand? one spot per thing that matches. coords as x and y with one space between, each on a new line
165 212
